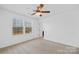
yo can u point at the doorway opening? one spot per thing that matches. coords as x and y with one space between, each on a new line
43 34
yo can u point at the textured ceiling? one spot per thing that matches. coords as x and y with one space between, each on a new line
28 8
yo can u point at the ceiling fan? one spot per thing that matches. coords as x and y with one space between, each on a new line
39 10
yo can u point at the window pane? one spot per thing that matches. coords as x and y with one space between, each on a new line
17 26
28 27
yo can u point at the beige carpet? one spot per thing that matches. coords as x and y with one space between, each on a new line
39 46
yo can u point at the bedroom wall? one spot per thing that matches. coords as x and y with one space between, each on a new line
6 37
63 28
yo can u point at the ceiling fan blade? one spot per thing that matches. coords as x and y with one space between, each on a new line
45 11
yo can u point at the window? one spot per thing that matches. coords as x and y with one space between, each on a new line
17 26
28 27
21 27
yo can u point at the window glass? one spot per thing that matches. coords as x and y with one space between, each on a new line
17 26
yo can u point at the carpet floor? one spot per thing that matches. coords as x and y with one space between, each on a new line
39 46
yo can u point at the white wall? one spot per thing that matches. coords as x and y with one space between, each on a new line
63 28
6 37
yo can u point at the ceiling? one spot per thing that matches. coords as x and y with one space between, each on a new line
27 9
